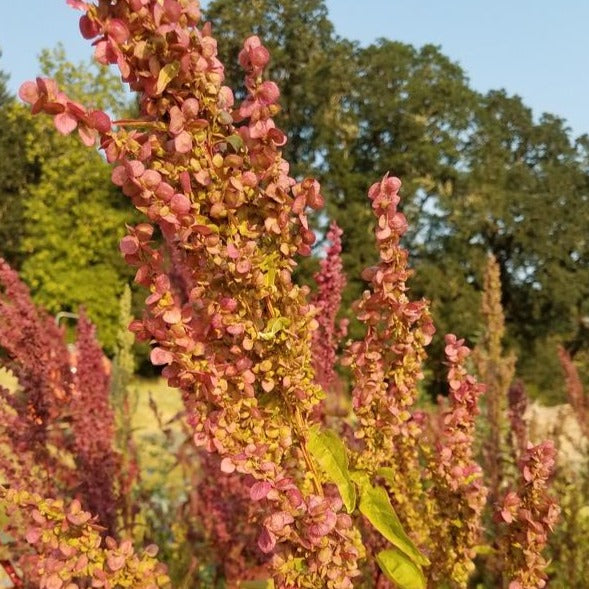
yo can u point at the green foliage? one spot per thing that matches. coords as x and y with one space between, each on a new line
124 404
73 223
376 507
521 198
532 190
403 566
400 569
15 173
330 452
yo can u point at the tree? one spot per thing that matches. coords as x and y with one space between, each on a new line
524 198
15 173
309 63
409 110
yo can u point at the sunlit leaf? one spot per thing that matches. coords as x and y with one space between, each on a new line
274 325
235 141
400 569
329 451
166 75
376 507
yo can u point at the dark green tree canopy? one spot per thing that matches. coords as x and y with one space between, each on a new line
308 62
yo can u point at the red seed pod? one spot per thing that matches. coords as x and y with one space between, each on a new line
88 27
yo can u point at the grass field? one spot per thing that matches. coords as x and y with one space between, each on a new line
155 448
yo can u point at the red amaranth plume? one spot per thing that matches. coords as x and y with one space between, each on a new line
33 349
331 282
93 426
518 404
225 509
53 407
574 388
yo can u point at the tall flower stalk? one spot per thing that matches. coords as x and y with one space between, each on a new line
331 282
387 363
575 390
496 370
34 350
93 426
458 485
527 515
239 348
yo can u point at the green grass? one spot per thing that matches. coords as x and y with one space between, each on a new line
158 468
167 399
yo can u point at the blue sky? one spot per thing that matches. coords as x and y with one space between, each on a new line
535 48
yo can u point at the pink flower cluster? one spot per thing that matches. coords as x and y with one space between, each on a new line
387 367
528 516
239 345
458 479
70 551
44 96
387 364
331 282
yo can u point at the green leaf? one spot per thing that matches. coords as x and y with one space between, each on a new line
329 451
270 277
387 473
236 142
484 549
376 507
166 75
400 569
263 584
274 325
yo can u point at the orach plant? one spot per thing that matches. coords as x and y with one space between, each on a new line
236 338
